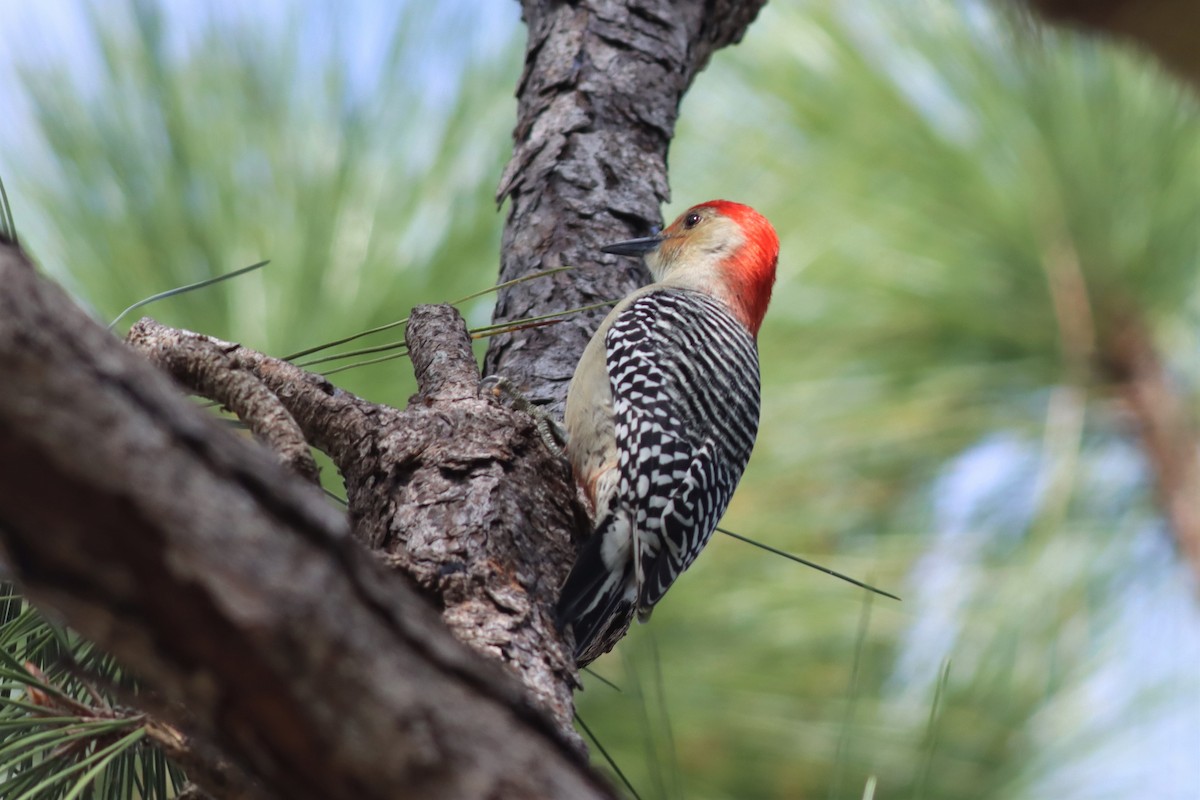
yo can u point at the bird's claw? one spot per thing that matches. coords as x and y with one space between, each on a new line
495 386
549 429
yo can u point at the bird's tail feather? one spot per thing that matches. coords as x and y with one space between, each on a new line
595 602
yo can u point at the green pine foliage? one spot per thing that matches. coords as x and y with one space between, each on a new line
172 151
205 142
971 208
65 731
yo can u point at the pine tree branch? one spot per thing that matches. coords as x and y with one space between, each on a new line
211 369
234 589
236 592
1166 429
298 404
1167 27
440 491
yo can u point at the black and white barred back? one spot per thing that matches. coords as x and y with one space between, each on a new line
685 386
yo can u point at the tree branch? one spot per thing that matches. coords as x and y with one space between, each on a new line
332 420
234 590
1167 27
456 492
1167 431
211 369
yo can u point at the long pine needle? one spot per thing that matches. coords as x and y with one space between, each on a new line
183 289
397 323
935 717
807 563
607 757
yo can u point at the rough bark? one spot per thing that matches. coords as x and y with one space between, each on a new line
212 369
234 589
240 595
237 593
456 492
597 105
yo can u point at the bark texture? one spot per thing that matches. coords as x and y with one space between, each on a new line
456 492
234 589
239 594
597 105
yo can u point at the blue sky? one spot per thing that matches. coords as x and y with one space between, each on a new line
57 32
1156 638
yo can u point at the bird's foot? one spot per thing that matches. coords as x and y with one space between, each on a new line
549 429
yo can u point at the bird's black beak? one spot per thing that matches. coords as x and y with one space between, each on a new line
633 247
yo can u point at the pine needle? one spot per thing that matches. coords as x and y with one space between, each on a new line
318 348
935 717
481 332
839 762
532 276
362 351
807 563
602 679
607 757
8 228
366 363
97 761
182 289
337 498
397 323
529 322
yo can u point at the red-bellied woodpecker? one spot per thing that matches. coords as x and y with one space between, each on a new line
662 414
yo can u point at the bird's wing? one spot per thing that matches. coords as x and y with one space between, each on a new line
686 411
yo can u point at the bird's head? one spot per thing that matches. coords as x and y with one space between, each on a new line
724 249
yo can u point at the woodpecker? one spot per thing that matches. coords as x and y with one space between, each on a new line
662 413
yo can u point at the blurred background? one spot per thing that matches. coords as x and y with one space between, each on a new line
988 229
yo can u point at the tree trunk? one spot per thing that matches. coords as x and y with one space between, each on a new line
597 105
234 589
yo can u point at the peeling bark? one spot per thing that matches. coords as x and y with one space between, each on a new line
456 492
597 105
236 591
249 604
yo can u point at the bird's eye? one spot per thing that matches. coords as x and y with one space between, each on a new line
691 220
